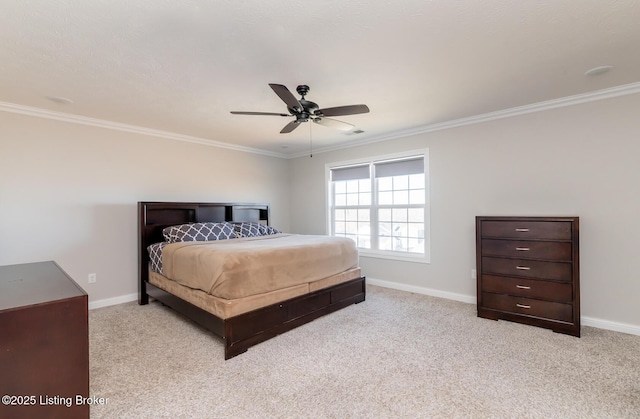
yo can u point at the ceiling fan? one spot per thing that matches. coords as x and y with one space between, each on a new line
304 110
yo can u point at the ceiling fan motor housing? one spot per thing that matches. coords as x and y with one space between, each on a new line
308 108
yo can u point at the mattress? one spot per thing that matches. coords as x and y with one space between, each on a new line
238 268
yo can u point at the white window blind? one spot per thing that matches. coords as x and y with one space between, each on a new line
400 167
350 173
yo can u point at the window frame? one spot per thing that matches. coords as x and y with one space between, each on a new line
375 206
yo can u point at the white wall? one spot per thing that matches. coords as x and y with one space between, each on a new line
581 160
69 193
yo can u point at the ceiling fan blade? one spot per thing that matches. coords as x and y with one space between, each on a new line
334 123
343 110
290 127
286 96
259 113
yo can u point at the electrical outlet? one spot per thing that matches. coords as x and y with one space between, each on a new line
473 274
92 278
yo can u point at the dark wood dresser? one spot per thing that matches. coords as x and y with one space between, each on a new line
528 271
44 343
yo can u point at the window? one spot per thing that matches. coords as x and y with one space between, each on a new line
382 205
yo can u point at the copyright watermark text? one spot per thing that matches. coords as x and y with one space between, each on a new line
47 400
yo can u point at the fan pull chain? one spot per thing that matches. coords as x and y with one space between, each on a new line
310 142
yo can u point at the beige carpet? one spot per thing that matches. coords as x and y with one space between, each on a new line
396 355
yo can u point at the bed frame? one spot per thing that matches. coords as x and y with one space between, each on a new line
245 330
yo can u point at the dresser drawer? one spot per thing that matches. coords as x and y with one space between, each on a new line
537 308
529 288
540 230
558 271
527 249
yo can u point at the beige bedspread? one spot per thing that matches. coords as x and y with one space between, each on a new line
255 265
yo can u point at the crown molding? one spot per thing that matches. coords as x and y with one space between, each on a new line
101 123
612 92
627 89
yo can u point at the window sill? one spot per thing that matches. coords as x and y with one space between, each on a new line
394 256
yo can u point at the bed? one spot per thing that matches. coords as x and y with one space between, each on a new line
248 307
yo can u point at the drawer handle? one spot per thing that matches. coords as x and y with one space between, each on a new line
523 268
522 230
523 287
522 306
523 249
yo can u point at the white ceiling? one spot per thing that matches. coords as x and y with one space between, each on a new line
180 66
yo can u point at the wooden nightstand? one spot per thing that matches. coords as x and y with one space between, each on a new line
44 342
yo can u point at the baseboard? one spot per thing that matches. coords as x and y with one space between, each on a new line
113 301
631 329
421 290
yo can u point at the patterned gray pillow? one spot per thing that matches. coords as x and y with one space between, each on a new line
250 229
268 230
155 256
199 232
247 229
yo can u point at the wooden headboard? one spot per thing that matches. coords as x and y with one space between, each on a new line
155 216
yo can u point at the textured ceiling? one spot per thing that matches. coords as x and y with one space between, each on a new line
181 66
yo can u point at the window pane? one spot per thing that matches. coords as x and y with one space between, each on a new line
384 214
399 229
341 200
416 196
384 243
416 181
400 197
399 214
340 227
400 182
416 215
352 199
385 184
365 198
385 198
400 244
363 215
352 185
416 230
364 242
351 215
416 246
364 229
340 187
339 215
352 227
365 185
384 229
